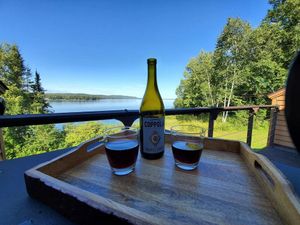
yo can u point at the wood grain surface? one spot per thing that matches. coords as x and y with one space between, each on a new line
228 187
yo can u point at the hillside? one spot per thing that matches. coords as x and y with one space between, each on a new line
83 97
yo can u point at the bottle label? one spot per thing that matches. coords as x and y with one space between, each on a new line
153 135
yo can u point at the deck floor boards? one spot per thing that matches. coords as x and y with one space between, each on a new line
287 161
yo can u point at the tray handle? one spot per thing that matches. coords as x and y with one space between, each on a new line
274 184
92 144
264 174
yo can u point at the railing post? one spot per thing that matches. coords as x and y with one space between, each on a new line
272 127
252 112
2 150
128 120
212 117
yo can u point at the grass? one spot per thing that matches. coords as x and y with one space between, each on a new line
234 129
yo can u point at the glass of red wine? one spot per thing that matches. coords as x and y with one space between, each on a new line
121 146
187 145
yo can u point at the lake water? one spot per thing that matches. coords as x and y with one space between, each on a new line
101 105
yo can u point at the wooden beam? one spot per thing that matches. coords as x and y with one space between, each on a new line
272 126
212 117
2 150
252 112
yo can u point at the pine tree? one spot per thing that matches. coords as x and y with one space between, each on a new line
24 96
40 104
27 80
37 86
12 71
12 67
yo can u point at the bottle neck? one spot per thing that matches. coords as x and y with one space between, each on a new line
152 83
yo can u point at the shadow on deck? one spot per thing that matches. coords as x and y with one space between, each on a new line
287 161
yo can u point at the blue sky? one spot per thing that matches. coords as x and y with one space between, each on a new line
101 47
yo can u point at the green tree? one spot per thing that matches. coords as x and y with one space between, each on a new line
22 98
12 71
229 58
12 66
27 80
264 71
286 15
39 104
247 63
197 88
42 138
78 133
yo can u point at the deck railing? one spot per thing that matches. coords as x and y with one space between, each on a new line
127 117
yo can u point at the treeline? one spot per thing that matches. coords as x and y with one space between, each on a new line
82 97
26 95
247 63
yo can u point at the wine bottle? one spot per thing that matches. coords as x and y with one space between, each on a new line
152 117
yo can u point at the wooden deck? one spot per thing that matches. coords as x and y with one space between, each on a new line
287 161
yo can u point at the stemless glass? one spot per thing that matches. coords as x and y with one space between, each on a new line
187 145
121 146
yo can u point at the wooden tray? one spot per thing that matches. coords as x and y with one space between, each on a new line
232 185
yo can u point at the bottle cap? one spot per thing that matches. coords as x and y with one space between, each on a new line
151 61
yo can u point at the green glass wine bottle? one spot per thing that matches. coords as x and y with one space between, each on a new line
152 117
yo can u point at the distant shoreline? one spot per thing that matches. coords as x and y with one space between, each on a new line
88 100
83 97
91 100
79 97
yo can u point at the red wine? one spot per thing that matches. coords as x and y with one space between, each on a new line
187 152
122 153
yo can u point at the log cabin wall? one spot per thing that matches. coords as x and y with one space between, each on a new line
281 133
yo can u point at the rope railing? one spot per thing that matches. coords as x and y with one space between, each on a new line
229 134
